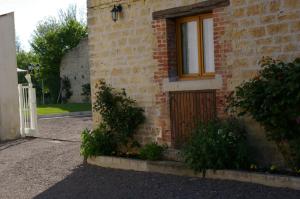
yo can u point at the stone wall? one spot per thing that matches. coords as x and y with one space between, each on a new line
122 54
259 28
9 106
75 66
138 53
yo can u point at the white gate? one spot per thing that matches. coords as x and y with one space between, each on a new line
27 106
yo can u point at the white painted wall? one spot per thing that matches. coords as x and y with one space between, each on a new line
9 107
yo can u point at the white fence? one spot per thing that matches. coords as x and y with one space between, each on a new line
28 113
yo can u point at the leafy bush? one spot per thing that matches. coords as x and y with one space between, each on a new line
217 145
66 89
86 92
120 119
97 142
119 113
152 152
273 99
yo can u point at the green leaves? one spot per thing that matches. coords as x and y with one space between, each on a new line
97 142
86 92
24 59
52 39
66 89
119 113
152 152
272 98
217 145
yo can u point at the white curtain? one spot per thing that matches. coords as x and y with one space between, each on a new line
190 48
208 45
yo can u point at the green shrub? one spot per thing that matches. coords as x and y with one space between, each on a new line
97 142
118 112
217 145
273 99
86 92
152 152
120 120
66 89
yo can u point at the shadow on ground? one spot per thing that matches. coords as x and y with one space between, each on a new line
12 143
95 182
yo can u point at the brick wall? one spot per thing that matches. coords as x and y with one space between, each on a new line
161 55
222 48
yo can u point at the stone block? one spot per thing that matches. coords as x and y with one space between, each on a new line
277 28
291 4
258 31
295 27
255 9
240 12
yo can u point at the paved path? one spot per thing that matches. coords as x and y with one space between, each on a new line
47 168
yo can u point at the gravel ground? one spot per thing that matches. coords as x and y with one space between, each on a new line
67 128
47 168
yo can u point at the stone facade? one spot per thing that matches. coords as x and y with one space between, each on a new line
75 66
138 53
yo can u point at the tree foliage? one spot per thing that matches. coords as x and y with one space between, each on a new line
52 39
24 59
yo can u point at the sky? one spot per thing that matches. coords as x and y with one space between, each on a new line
29 12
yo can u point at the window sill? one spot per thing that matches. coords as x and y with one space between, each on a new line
191 78
201 83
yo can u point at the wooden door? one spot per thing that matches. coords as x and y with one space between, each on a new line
187 109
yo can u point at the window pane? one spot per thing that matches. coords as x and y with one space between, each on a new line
208 45
189 38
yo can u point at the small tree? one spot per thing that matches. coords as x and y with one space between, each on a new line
273 99
52 39
119 113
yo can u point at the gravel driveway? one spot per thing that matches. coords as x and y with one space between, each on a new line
50 167
66 128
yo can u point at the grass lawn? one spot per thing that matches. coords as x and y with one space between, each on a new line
49 109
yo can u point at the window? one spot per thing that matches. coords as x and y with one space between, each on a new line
195 43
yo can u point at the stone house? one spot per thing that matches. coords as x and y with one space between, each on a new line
180 58
75 66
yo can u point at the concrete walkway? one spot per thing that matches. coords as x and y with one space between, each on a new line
50 167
